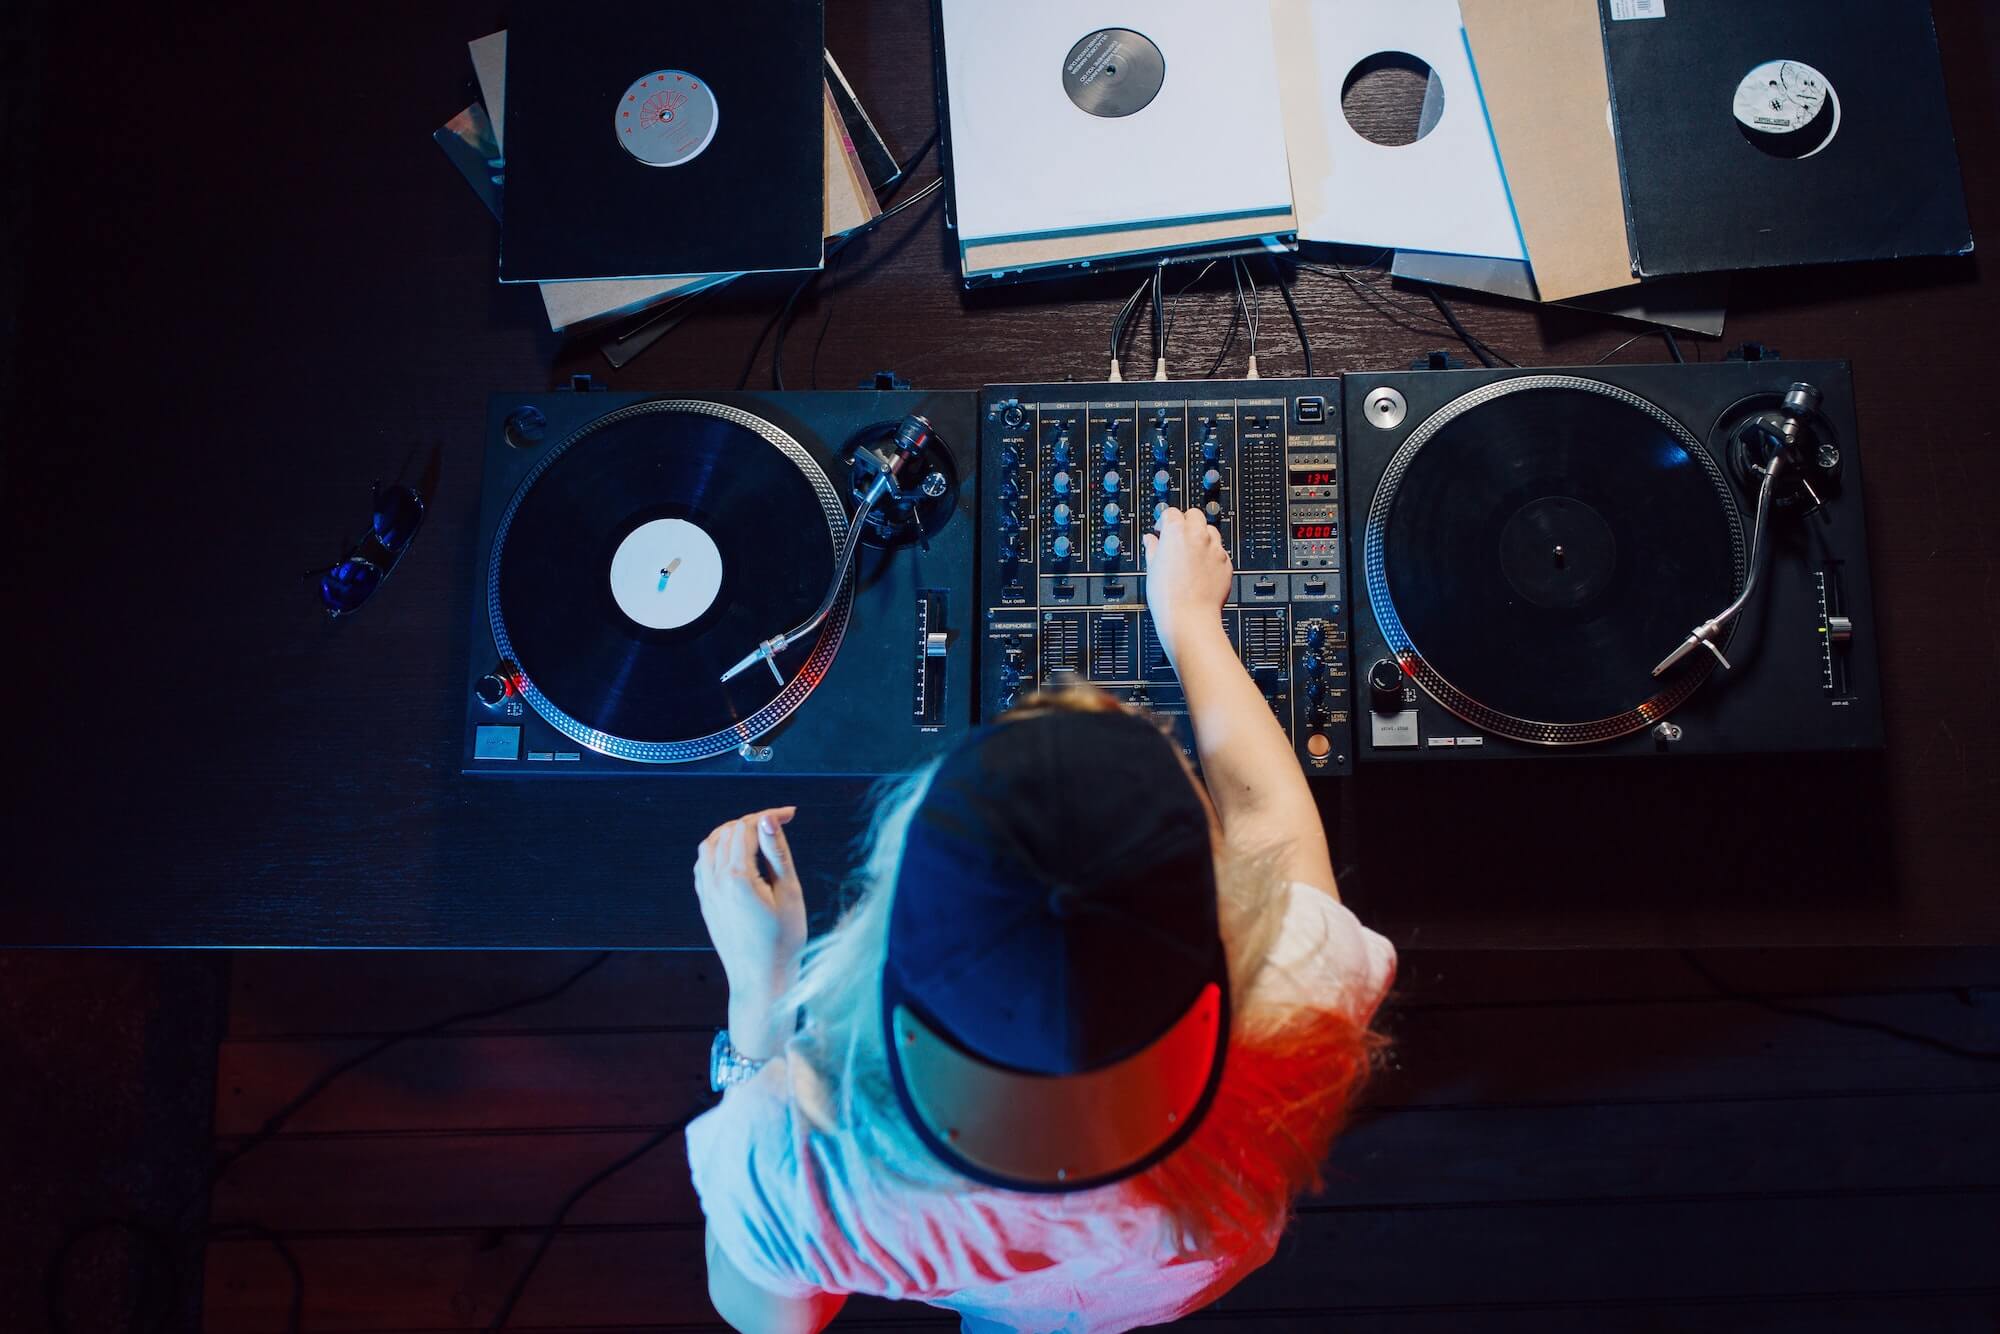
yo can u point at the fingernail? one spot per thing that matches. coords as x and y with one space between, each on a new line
768 825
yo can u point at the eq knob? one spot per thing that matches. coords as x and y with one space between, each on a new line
1061 452
1385 686
1214 512
1010 491
1111 515
1061 516
1010 520
1112 546
1111 482
1315 635
1061 548
1210 480
1162 480
1159 447
1159 510
1111 449
1060 483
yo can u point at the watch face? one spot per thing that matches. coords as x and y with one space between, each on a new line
666 118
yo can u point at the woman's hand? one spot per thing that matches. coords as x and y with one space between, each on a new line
1187 576
756 921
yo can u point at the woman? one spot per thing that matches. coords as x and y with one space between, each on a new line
1085 1031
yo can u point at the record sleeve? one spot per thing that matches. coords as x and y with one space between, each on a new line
1784 132
648 143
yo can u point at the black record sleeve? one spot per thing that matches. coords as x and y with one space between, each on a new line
1704 193
579 206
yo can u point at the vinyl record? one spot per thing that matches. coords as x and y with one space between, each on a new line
644 556
1536 546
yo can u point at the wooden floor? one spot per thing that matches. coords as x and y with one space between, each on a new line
1561 1142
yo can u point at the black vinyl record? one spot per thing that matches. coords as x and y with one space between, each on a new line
1782 132
650 141
648 554
1535 549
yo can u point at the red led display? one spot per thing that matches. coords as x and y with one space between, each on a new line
1312 477
1312 532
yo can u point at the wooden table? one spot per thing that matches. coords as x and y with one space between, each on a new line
256 285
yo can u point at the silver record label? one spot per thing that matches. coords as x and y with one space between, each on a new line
666 118
1787 108
1114 72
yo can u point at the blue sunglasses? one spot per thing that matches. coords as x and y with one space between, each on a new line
352 580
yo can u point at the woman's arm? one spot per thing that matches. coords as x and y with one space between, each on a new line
1260 793
755 1310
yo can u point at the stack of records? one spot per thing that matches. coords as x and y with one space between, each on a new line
1081 136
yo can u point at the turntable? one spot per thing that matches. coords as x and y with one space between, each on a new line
1613 560
665 583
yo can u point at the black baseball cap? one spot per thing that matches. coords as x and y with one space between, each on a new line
1056 995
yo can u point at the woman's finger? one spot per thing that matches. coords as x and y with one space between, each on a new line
778 852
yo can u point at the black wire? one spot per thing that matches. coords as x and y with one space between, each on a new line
1229 339
1478 346
1673 346
1125 316
554 1225
1827 1016
276 1121
1174 308
1159 312
160 1239
1298 321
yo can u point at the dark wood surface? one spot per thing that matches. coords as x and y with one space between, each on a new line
267 287
1584 1140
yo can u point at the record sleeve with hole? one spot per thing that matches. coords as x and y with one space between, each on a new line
649 143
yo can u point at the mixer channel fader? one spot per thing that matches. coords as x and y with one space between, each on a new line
1073 475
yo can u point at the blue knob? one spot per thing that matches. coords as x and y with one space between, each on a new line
1111 449
1061 516
1112 546
1061 548
1060 483
1111 514
1111 482
1161 481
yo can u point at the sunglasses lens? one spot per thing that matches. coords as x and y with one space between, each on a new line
398 510
348 584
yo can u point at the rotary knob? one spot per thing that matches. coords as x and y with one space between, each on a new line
1060 483
1211 448
1010 520
1161 481
1214 512
1111 514
1159 511
1311 664
1315 635
1061 516
1061 548
1010 491
1210 480
1159 447
1112 546
1111 449
1111 482
491 690
1061 452
1385 686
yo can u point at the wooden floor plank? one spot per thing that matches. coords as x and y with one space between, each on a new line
1530 1055
1472 1260
281 993
1418 1157
314 993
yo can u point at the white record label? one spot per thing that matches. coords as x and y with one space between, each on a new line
666 573
1787 107
666 118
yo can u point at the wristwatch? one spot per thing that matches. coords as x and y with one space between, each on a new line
726 1065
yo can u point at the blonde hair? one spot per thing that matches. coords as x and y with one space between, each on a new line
1292 1072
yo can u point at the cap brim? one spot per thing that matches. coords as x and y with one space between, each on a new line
1036 1132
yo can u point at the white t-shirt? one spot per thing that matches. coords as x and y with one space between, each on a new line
798 1210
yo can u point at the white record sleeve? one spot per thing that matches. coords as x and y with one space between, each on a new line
1447 191
1028 160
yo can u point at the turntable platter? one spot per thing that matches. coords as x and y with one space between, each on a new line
1535 542
638 560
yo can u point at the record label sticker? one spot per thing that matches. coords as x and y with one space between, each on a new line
666 573
666 118
1787 108
1114 72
